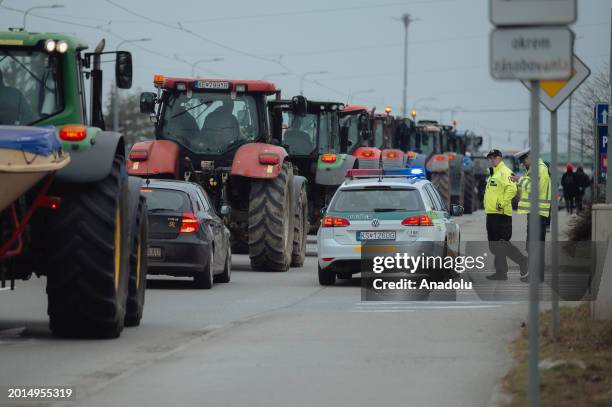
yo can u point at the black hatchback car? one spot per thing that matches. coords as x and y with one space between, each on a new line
186 236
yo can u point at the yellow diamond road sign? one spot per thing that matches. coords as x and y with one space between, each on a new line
554 93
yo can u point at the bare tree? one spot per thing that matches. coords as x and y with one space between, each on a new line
595 89
135 126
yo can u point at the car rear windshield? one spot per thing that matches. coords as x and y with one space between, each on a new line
159 200
377 200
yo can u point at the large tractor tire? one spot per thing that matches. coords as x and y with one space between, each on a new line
239 245
88 257
300 229
441 181
139 227
469 194
271 221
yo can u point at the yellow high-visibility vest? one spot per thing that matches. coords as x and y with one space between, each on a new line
499 191
544 196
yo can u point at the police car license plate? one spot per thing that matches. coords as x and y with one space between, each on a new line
361 236
154 252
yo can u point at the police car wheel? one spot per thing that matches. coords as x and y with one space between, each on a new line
326 276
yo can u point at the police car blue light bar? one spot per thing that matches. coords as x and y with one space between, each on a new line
390 172
417 171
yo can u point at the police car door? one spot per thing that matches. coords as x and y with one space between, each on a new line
446 227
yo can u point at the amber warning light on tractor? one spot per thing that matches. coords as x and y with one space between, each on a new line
328 158
269 158
158 80
73 132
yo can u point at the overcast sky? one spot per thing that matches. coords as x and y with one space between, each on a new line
359 43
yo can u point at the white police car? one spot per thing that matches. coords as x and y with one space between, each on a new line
395 206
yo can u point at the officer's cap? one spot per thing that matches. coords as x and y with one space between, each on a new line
521 155
494 153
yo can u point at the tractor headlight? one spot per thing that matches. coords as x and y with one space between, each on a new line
61 47
50 45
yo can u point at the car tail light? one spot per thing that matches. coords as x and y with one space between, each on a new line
138 155
425 220
328 158
422 220
335 222
269 158
73 132
189 223
451 156
411 221
327 258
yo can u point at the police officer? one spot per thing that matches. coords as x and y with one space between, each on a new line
542 199
498 196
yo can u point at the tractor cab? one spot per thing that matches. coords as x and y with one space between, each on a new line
307 129
356 124
43 80
208 119
428 139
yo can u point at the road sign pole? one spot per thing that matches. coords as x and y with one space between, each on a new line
554 222
609 171
533 393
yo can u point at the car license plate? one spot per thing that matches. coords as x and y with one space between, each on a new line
154 252
361 236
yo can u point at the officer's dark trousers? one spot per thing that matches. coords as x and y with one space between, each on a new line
540 238
499 233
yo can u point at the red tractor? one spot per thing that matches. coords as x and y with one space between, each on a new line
217 133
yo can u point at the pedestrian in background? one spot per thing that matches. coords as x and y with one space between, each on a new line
541 198
568 182
582 182
498 196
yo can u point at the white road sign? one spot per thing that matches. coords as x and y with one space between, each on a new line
554 93
532 12
544 53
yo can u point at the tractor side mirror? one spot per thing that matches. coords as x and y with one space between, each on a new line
147 102
456 210
299 105
344 140
123 70
225 210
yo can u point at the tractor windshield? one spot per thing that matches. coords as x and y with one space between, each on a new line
29 86
300 137
352 122
428 142
378 133
209 123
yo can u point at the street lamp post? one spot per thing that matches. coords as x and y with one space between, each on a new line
25 13
116 89
304 75
196 63
406 19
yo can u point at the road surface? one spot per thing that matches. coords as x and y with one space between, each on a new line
270 339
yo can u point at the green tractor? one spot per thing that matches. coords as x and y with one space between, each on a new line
317 146
68 209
